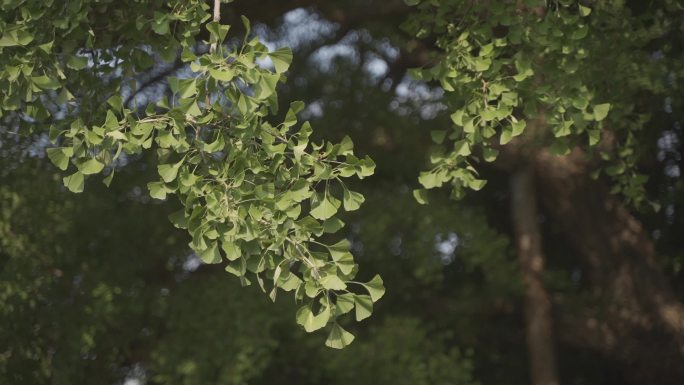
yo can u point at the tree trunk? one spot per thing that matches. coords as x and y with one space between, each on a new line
537 303
635 316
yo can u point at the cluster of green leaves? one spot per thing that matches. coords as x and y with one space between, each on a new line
511 67
256 197
61 57
64 298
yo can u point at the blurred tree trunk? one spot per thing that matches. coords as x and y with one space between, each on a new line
538 321
636 317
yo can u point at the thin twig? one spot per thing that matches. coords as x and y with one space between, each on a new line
217 18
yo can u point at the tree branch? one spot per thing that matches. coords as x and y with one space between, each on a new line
216 18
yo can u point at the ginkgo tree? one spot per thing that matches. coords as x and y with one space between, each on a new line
530 63
256 195
259 196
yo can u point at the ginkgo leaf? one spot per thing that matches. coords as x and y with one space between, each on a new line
281 58
364 306
74 182
310 321
157 190
333 282
211 254
332 225
352 200
60 156
324 207
344 303
338 337
91 166
344 262
601 111
375 288
421 196
222 74
169 172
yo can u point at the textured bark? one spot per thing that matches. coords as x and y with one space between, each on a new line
636 318
538 321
